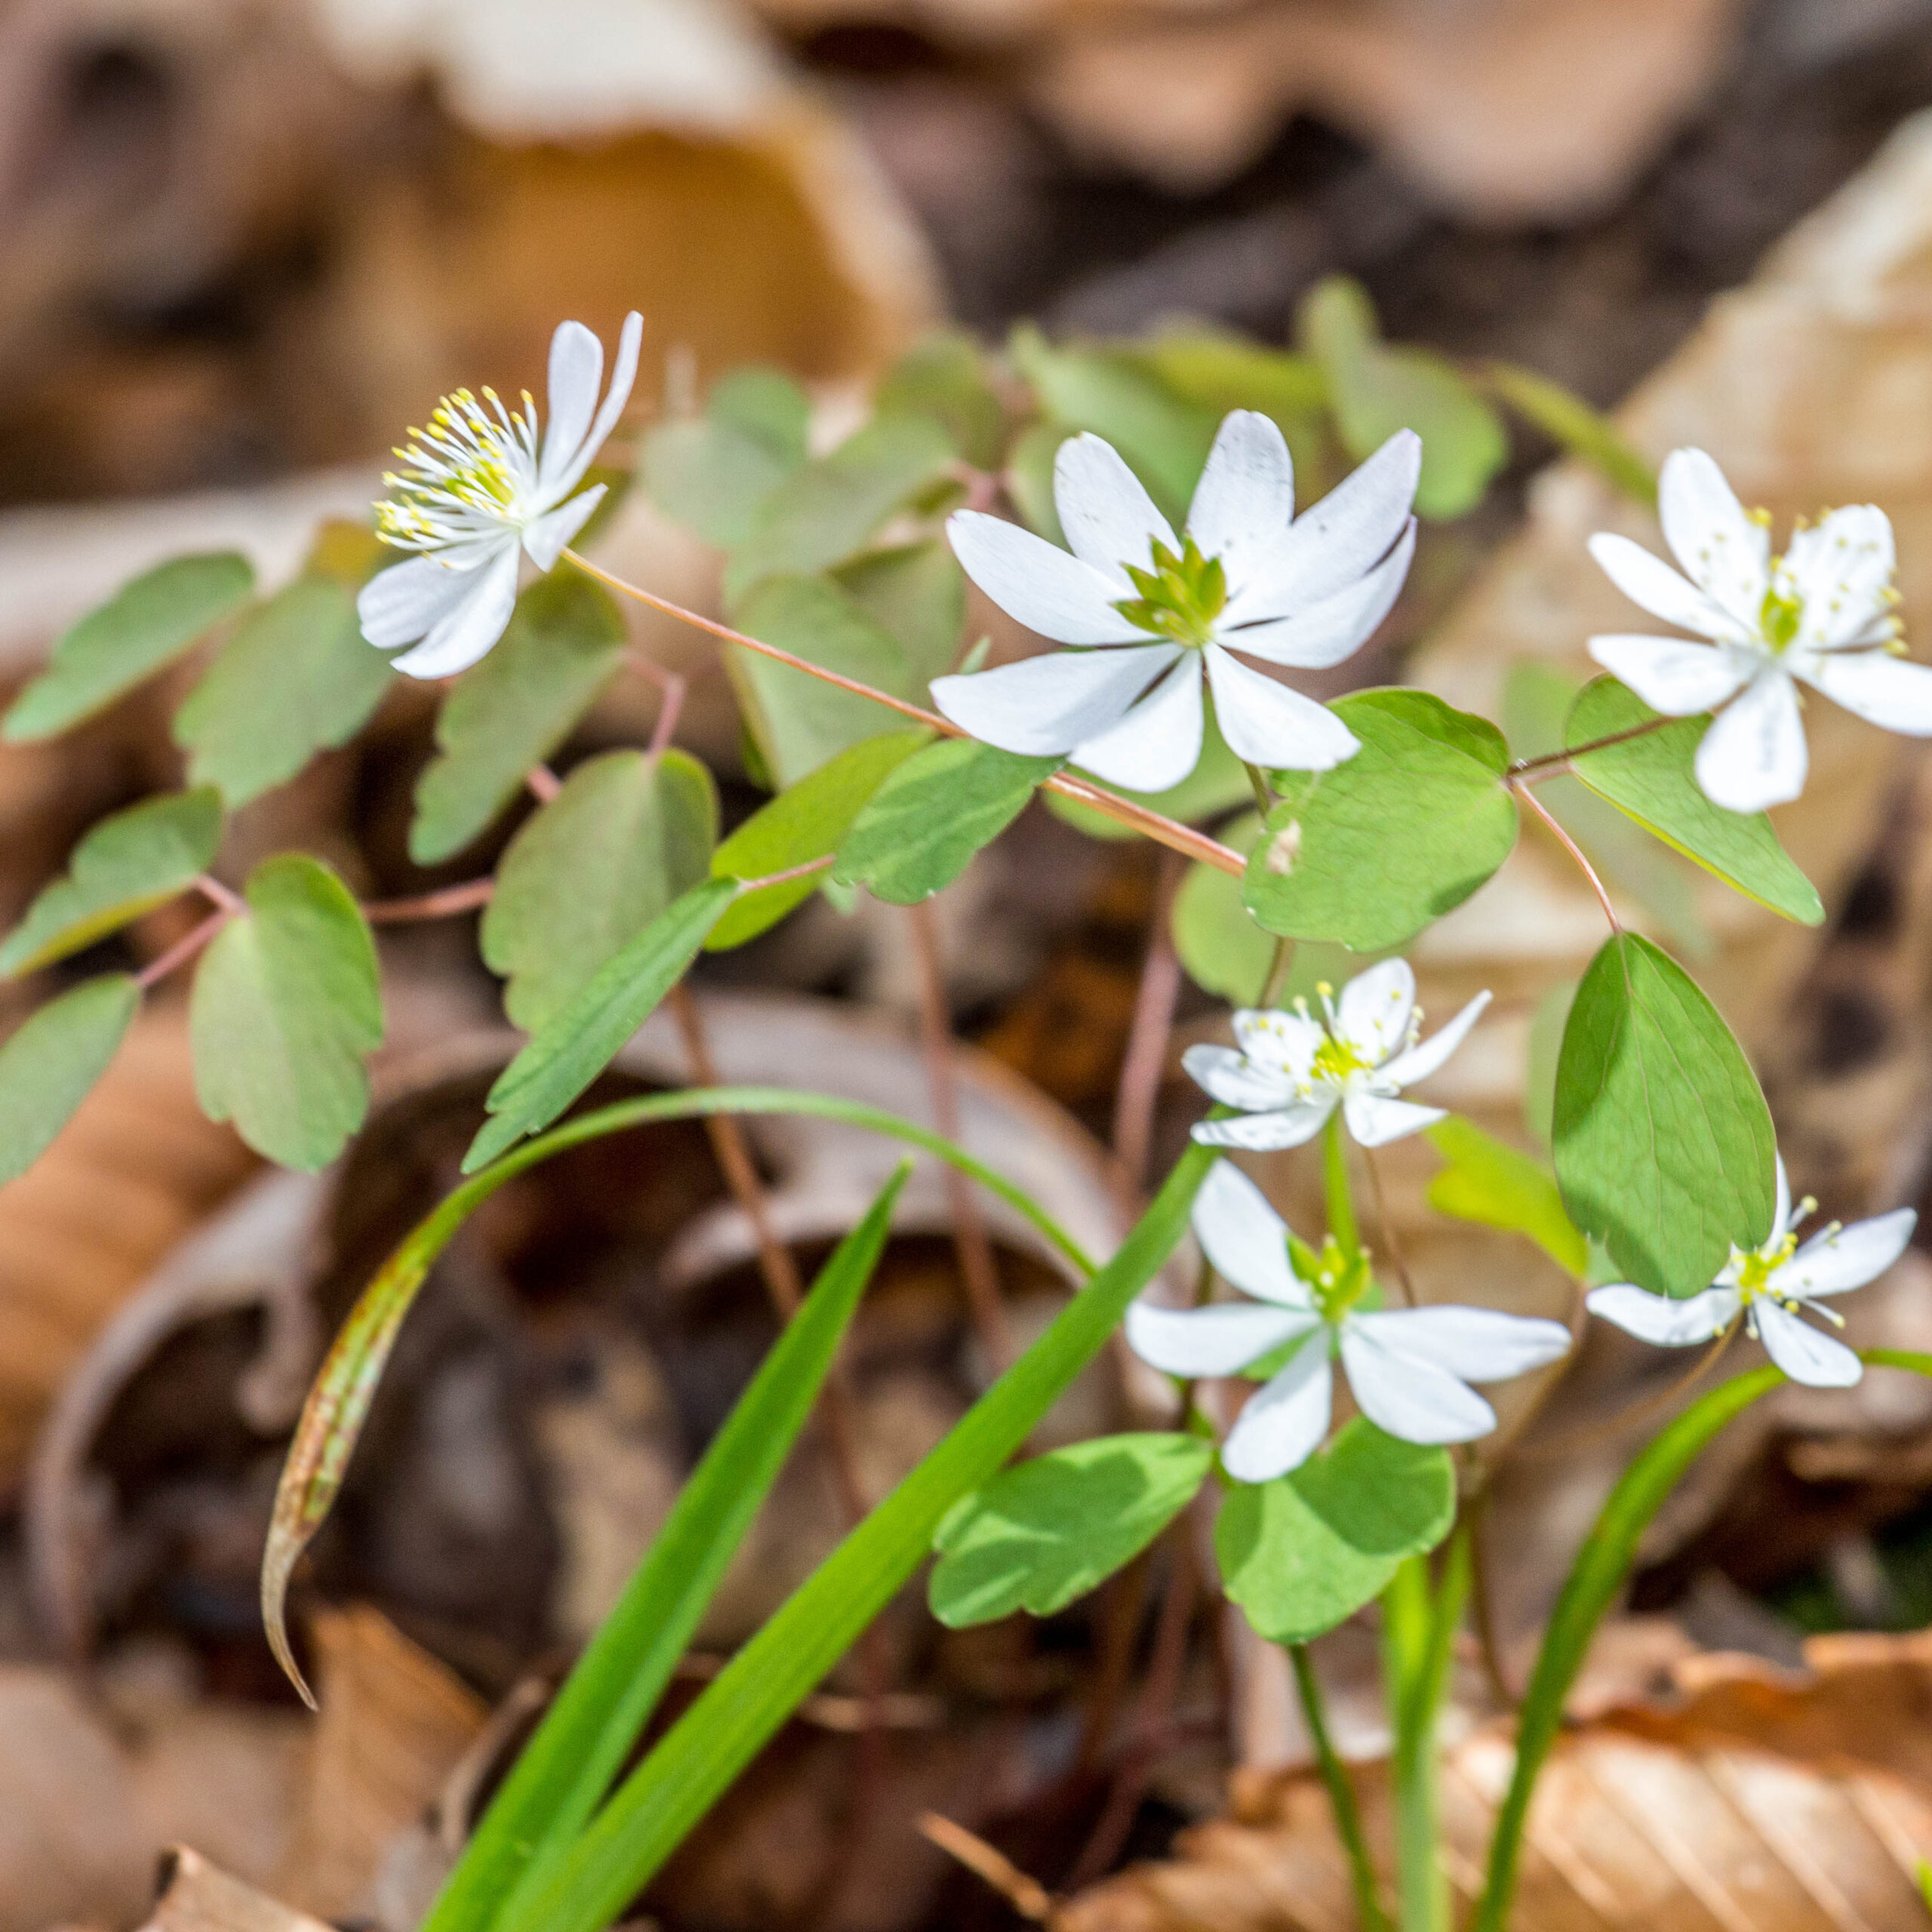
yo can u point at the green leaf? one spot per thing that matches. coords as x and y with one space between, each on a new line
1569 421
1029 477
1304 1551
1049 1530
510 712
1651 779
1221 371
1545 1046
1223 951
1369 854
829 510
716 472
804 822
916 594
52 1058
917 832
625 836
561 1775
296 677
146 623
1377 390
943 375
1217 784
1664 1144
576 1045
287 1001
126 866
1492 1184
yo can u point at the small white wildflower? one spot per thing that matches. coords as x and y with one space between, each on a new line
1292 1069
478 490
1768 1286
1248 576
1822 613
1409 1369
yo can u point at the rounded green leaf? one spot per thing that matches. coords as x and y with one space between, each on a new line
1370 852
1304 1551
1051 1529
511 711
916 594
287 1001
126 866
943 375
919 830
1223 951
1664 1144
1651 778
296 677
52 1058
625 835
715 472
1490 1183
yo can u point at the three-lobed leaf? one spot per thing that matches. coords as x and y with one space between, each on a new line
624 837
1664 1144
1491 1184
53 1057
1652 779
125 865
146 624
510 712
1304 1551
919 831
1050 1529
1369 854
287 1001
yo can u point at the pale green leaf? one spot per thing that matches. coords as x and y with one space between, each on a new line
1492 1184
1222 947
512 710
1545 1045
1046 1531
1568 420
297 676
52 1058
1662 1141
287 1001
589 871
1309 1549
126 866
916 594
943 375
715 472
1221 371
147 623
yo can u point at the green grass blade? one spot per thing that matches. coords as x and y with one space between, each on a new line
563 1772
698 1757
1601 1565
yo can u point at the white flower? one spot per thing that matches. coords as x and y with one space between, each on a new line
1249 575
1822 613
1769 1285
1409 1368
1292 1070
478 488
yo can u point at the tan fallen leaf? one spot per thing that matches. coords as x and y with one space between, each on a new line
198 1897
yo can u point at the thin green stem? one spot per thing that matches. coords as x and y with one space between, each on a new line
1419 1633
1265 801
1278 969
1341 1794
1342 1222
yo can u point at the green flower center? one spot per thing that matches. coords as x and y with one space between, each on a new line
1780 615
1754 1277
1180 597
1336 1060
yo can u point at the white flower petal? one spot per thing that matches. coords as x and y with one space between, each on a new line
576 373
465 633
1220 1340
1039 584
1373 1012
1157 743
1473 1344
1406 1394
1671 675
1841 569
546 538
1245 499
1045 705
1781 1200
400 604
1235 1081
1879 688
1282 1423
1658 1319
1264 1134
1246 1242
1266 724
1829 1264
1335 629
1650 582
1724 553
1804 1353
1375 1120
1273 1037
1754 756
1345 534
559 475
1422 1060
1109 519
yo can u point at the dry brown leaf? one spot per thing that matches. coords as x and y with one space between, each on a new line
198 1897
